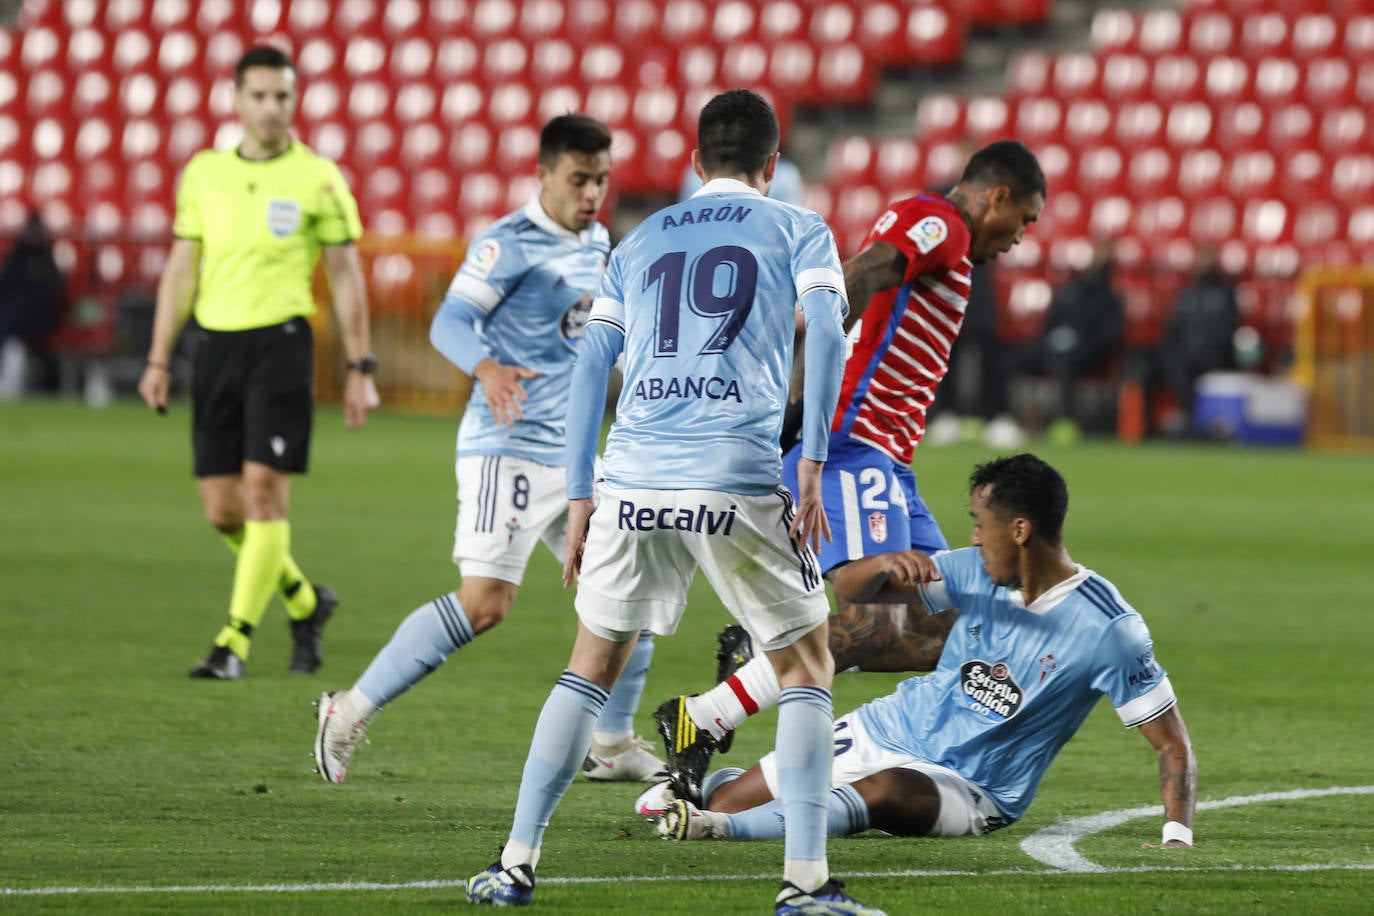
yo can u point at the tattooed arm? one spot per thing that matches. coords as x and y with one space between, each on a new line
888 637
1177 772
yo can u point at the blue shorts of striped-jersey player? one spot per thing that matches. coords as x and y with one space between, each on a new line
871 503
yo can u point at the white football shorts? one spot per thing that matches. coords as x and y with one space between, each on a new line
505 506
965 809
644 546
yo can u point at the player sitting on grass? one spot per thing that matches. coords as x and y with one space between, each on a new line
961 751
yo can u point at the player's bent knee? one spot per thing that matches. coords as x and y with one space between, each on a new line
901 802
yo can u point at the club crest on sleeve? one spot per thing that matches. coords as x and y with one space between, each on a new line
877 527
928 233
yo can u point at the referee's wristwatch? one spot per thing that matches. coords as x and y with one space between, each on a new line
367 365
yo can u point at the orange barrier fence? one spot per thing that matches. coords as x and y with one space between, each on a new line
1334 354
406 280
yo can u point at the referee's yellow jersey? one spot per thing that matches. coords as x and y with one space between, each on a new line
260 225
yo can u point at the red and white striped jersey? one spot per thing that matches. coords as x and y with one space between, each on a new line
900 347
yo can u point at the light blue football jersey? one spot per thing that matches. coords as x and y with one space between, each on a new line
534 280
1015 682
706 294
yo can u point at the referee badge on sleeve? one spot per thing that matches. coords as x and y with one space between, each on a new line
283 217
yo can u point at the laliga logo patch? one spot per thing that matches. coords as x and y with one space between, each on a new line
574 322
928 233
483 259
283 217
877 527
989 690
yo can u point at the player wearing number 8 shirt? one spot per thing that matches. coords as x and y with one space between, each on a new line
701 299
512 319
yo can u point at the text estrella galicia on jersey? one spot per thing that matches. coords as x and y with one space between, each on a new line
928 233
990 690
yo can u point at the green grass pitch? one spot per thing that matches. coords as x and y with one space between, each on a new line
127 787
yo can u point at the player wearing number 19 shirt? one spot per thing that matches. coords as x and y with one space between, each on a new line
701 300
907 288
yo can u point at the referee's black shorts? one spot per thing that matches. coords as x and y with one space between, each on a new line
253 398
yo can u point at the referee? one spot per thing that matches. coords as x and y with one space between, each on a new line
251 223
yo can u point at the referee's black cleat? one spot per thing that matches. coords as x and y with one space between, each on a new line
220 665
688 748
734 648
306 653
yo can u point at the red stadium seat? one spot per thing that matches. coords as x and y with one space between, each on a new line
940 117
1028 73
987 118
462 102
686 21
1212 220
1277 80
492 19
1125 77
1101 172
817 197
1315 35
504 61
1160 219
1211 34
1139 124
843 75
1065 215
1328 81
559 101
782 20
1317 223
1359 38
1264 35
745 64
457 58
1240 126
1039 120
540 19
897 166
636 23
1352 179
733 21
1150 173
1305 176
1058 166
1200 173
1114 31
1344 129
471 146
833 22
587 21
1227 80
1161 32
1253 173
791 68
932 36
850 161
1265 222
1075 75
1175 77
1189 124
1087 121
412 59
1292 127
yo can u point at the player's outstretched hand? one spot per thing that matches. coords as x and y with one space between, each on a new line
360 397
579 516
910 568
505 394
810 524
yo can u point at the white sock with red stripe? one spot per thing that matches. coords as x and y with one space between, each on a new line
725 706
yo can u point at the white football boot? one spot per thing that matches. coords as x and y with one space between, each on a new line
631 760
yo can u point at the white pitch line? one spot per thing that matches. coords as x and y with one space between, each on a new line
643 879
1054 845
